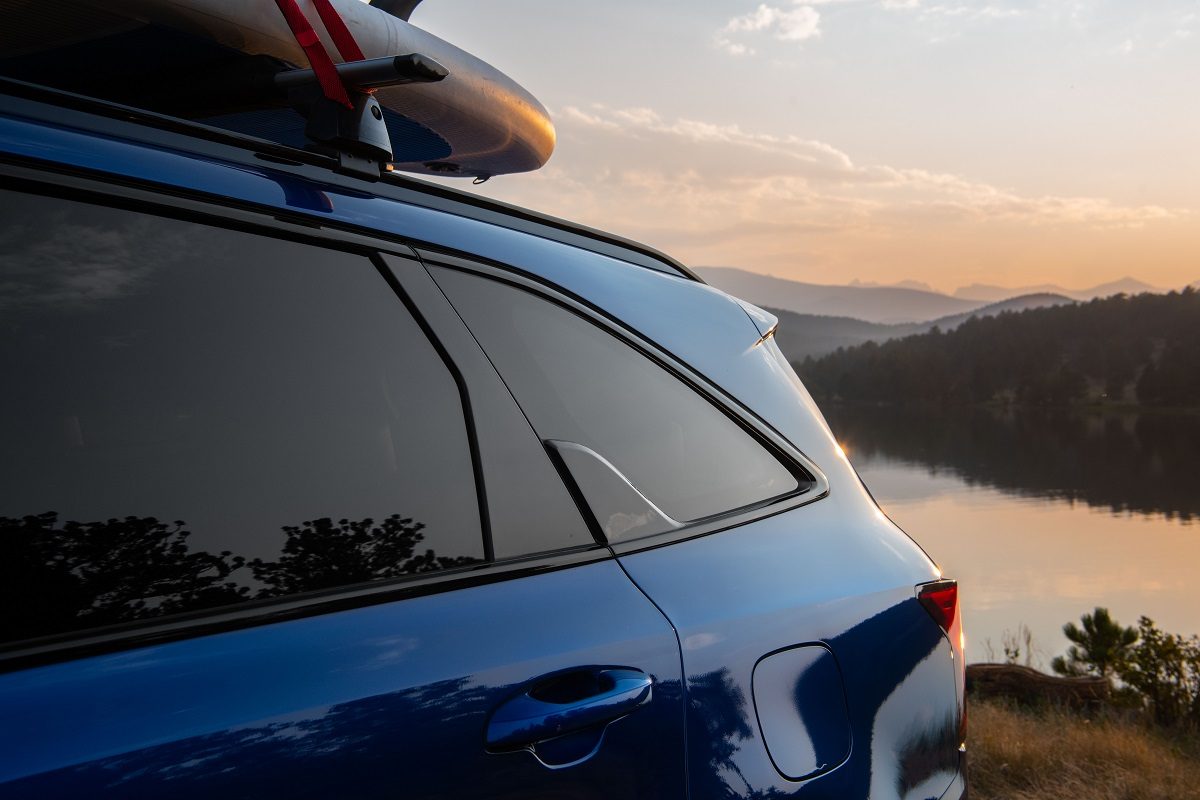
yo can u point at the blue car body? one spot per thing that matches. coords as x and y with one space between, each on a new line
781 651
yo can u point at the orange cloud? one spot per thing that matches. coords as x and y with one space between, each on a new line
720 194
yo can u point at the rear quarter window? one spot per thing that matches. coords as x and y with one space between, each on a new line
579 383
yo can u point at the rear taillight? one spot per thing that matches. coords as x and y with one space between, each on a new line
940 599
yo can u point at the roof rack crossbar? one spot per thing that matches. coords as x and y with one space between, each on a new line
371 73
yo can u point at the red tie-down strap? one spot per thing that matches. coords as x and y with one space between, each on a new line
342 38
318 58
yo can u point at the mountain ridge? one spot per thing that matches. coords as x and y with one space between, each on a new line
990 292
886 305
815 335
903 302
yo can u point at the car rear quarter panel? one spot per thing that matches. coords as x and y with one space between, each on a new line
806 576
836 571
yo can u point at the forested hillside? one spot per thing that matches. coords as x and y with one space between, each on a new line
1143 349
803 335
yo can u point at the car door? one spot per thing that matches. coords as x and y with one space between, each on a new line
272 526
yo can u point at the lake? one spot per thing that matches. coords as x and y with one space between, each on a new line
1042 516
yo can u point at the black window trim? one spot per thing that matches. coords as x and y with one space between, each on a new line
140 633
795 461
440 313
464 397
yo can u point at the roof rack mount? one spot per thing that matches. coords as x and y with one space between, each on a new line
357 136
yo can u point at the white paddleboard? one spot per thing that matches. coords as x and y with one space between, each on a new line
490 124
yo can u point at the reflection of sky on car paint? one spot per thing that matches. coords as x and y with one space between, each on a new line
1041 562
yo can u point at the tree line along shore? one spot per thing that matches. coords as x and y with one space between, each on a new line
1141 350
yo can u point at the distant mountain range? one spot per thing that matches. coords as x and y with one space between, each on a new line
900 303
983 291
889 305
802 335
905 284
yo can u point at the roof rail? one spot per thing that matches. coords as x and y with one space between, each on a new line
405 188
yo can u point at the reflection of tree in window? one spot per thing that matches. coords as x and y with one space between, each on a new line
78 575
321 554
87 574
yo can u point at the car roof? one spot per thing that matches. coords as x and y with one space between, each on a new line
84 133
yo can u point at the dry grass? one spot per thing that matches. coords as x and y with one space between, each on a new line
1023 755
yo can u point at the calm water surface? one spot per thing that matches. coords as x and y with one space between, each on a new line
1041 517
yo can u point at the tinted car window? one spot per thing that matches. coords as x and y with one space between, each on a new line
194 417
581 384
530 509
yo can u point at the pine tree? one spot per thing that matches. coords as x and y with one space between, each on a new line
1101 647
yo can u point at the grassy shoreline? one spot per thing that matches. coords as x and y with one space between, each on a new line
1054 754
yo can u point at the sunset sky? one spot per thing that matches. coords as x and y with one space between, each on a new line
950 142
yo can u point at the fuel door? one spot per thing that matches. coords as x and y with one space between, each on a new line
801 706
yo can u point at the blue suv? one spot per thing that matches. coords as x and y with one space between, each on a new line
316 486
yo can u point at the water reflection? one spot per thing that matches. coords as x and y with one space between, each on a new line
1145 463
1040 517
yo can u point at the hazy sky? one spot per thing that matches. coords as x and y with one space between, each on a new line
1011 142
